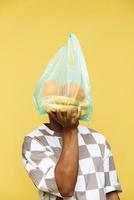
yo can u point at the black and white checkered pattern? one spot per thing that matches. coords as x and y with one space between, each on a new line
97 174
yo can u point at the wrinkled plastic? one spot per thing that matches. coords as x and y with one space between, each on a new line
65 82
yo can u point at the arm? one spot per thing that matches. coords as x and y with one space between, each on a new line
67 167
112 196
66 170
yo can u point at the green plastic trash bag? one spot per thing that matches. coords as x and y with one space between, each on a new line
65 82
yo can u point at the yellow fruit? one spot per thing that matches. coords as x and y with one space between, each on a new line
73 90
60 100
51 87
54 95
63 108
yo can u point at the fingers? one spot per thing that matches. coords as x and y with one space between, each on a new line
59 115
68 113
75 120
52 115
79 113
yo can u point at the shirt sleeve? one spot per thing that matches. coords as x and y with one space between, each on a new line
112 182
40 166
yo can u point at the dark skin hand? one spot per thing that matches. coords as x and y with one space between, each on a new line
66 170
65 120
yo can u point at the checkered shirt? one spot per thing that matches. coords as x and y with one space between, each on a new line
97 174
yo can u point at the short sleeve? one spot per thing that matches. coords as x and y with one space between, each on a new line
112 182
40 166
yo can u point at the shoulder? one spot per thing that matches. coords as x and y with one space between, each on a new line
35 133
97 135
31 136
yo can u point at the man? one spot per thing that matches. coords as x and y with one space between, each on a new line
68 161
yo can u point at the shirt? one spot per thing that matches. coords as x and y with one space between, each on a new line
97 174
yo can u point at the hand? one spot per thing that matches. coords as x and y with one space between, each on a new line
67 122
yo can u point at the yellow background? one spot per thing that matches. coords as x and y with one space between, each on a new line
31 32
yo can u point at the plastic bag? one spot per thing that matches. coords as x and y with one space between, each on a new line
65 82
